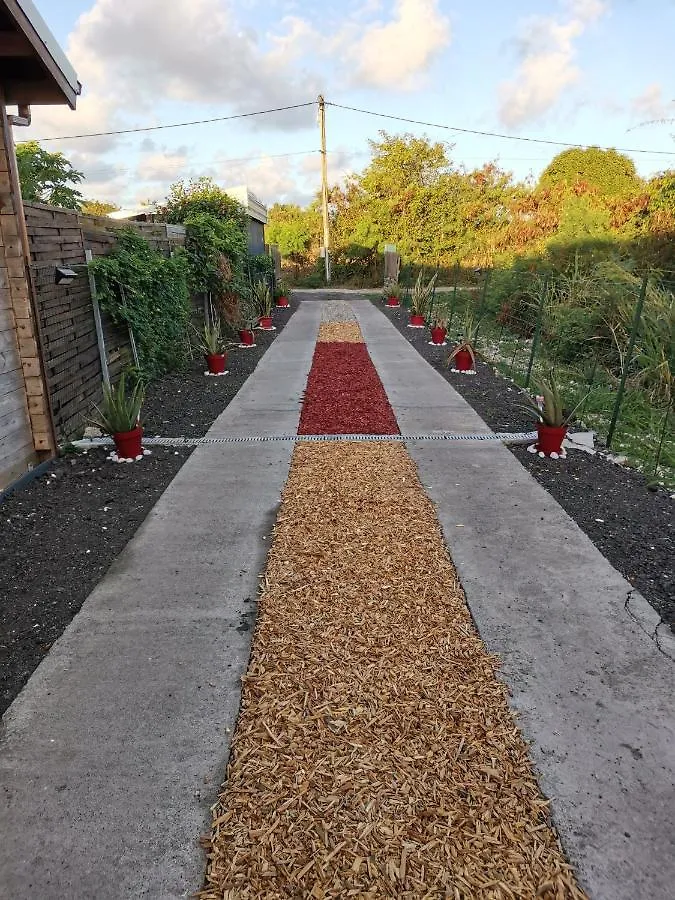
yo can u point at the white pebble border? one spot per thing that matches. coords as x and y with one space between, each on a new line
217 374
467 372
417 326
434 344
121 459
246 346
271 328
533 449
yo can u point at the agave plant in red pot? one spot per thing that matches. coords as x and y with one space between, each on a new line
439 330
552 421
392 294
281 295
119 416
264 302
213 347
421 300
463 357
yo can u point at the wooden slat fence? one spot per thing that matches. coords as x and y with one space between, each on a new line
72 360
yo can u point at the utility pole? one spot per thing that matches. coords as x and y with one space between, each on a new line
324 186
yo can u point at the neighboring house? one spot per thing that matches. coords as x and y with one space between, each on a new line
33 71
257 216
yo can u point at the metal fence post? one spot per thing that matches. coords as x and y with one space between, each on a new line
100 338
537 330
637 316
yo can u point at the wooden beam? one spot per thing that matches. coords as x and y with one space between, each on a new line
13 43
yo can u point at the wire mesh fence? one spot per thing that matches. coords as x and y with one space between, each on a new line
605 334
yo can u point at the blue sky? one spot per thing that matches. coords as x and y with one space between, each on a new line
583 71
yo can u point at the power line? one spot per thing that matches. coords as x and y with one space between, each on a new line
260 112
506 137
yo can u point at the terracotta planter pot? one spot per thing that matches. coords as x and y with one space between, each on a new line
438 335
550 438
246 337
283 302
216 362
463 361
393 302
265 321
416 320
128 443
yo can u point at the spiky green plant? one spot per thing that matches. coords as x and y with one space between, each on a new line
551 410
262 297
467 341
422 295
211 338
120 410
391 289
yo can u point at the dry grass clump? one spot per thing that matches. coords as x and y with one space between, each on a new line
342 332
375 754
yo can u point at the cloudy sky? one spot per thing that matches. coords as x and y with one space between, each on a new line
583 71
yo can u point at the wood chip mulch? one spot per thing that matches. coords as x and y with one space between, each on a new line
375 754
340 331
344 394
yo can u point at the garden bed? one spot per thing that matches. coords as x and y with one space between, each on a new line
60 534
631 525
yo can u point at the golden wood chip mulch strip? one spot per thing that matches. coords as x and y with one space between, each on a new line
343 332
375 754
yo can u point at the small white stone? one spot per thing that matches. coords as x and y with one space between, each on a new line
542 455
147 453
130 459
554 456
139 457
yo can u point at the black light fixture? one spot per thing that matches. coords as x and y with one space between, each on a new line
64 276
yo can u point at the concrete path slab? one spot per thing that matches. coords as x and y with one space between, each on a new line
595 694
113 753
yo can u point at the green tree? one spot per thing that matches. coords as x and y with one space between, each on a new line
293 230
605 172
98 207
201 195
47 177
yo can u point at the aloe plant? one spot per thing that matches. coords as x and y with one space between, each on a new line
548 405
467 341
262 296
391 289
120 410
281 290
211 338
422 295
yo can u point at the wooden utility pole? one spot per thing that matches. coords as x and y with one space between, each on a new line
324 186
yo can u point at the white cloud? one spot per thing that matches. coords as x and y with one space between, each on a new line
547 62
163 166
651 104
398 52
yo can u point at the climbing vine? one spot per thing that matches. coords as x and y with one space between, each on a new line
142 288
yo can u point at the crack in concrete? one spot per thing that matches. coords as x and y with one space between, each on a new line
654 636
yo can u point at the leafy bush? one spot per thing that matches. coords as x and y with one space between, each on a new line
147 291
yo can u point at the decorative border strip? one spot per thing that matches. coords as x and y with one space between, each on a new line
504 437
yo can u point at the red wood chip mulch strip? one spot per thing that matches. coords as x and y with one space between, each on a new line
344 394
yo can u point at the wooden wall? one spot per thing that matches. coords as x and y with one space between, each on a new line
24 424
70 347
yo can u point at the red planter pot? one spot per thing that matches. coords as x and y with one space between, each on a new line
216 363
283 302
246 337
463 361
393 302
128 443
438 335
416 320
550 438
265 321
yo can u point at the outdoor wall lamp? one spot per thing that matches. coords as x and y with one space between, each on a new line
65 276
